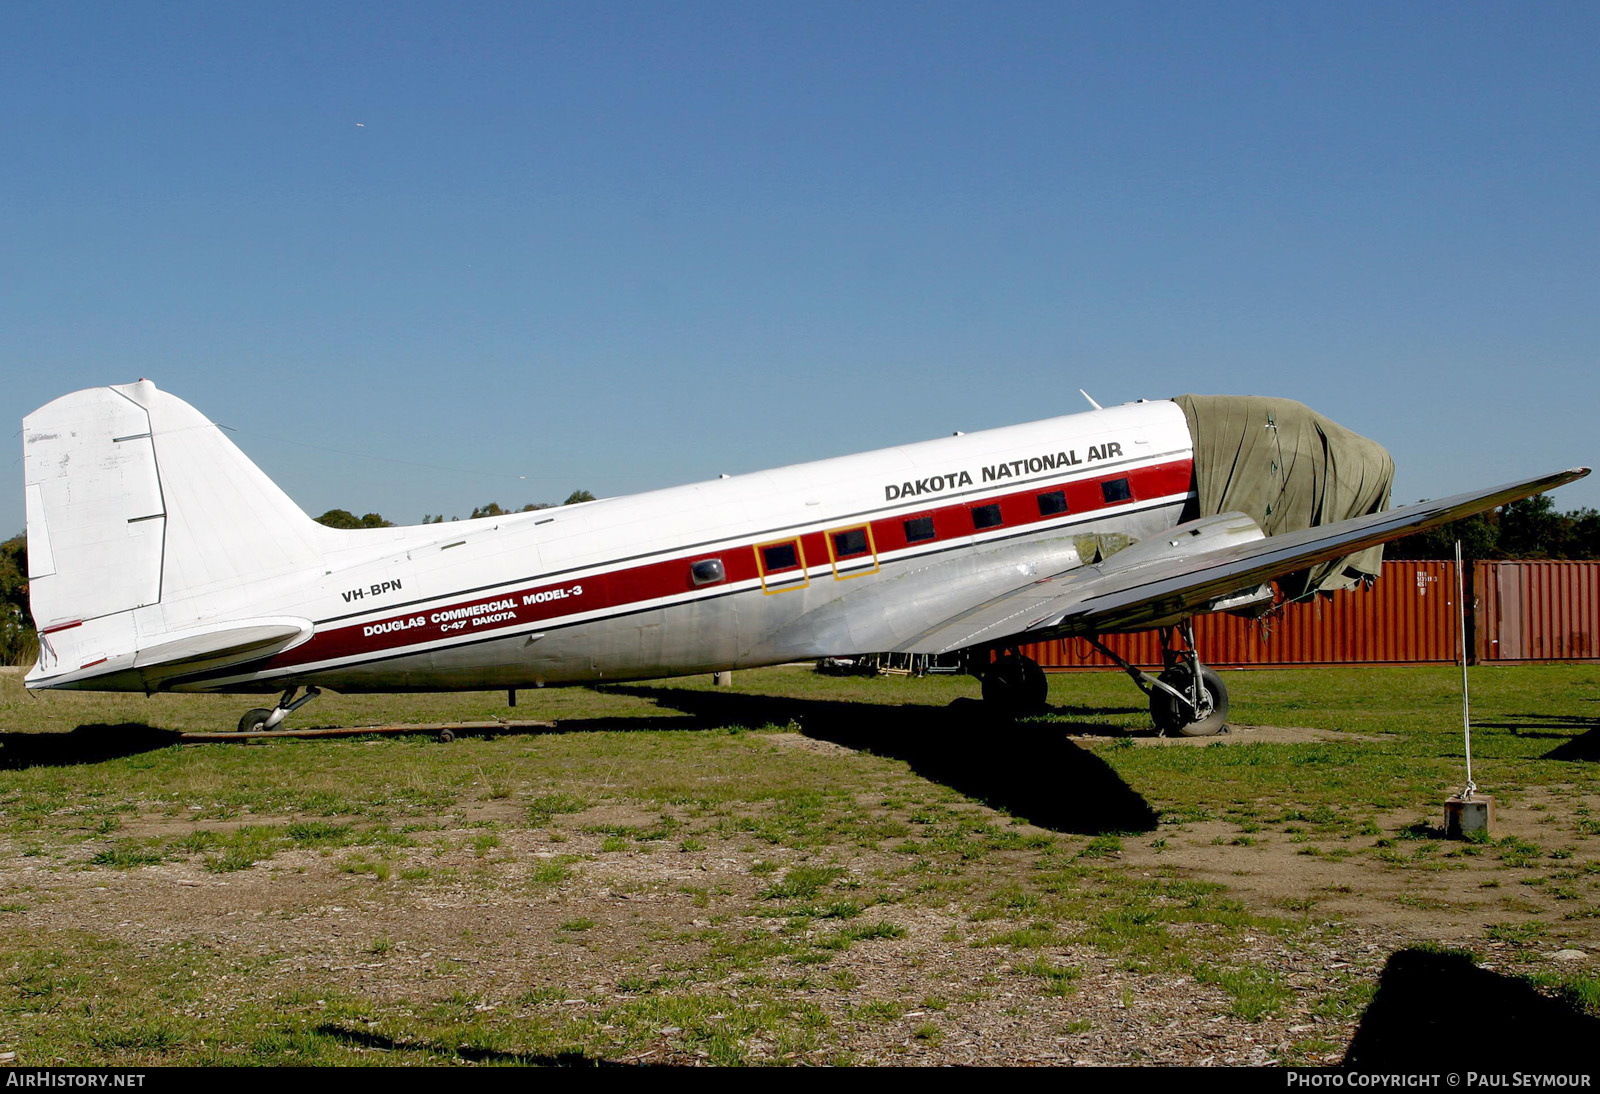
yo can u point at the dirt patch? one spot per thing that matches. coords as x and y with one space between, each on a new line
479 927
1421 889
804 743
1233 735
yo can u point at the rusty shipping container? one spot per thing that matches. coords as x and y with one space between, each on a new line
1537 611
1408 617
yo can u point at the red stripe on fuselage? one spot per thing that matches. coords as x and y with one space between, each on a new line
636 585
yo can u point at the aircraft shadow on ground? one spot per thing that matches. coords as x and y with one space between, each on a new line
1028 769
1440 1012
366 1039
88 744
97 743
1585 745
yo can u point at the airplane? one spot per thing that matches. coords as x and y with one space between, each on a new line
161 558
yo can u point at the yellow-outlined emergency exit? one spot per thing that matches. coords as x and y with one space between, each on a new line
852 551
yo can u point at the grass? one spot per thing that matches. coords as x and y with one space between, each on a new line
840 857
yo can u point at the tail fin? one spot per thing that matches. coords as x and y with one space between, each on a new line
136 501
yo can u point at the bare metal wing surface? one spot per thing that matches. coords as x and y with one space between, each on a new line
1190 568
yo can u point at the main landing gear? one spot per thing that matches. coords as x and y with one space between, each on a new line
1179 707
1014 685
263 718
1187 699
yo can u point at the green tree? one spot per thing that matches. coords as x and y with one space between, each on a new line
343 518
1479 538
495 509
1532 528
19 643
1528 528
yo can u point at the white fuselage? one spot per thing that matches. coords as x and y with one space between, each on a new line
840 556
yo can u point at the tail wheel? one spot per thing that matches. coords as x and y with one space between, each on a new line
254 720
1172 716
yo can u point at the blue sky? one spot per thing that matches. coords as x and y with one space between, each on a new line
424 256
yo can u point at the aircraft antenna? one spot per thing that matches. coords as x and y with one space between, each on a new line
1092 403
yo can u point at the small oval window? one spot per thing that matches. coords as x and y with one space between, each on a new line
707 571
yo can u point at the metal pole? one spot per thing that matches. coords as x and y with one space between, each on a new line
1466 702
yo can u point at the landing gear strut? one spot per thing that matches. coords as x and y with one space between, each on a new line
1014 685
1187 699
262 718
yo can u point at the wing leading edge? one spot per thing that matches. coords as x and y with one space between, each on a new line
1192 566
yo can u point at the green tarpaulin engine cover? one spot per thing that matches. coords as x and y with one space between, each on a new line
1288 468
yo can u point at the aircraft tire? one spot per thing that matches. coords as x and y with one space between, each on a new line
1174 718
1016 686
254 719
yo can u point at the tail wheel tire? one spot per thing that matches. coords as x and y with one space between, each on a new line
1172 716
254 720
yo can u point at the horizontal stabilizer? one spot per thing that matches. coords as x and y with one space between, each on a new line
240 641
106 653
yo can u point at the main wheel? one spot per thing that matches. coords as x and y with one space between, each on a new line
254 720
1172 716
1016 686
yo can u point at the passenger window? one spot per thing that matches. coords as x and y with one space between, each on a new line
1116 490
1053 503
850 543
780 556
853 552
919 529
986 516
782 566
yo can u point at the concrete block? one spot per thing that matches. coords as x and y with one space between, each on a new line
1464 816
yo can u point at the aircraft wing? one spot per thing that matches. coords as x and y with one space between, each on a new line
1190 569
